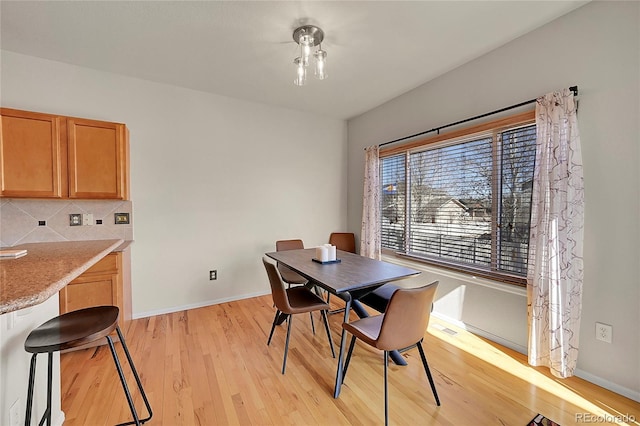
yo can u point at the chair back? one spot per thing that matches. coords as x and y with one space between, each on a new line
278 291
345 241
407 317
282 245
287 274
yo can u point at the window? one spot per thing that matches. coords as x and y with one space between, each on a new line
463 201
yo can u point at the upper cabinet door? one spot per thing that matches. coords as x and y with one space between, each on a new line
30 155
97 159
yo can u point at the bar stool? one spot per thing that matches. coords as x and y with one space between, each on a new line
72 330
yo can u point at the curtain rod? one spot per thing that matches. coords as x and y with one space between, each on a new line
574 89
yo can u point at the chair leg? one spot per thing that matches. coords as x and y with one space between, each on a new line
286 345
273 326
386 390
346 363
136 377
47 413
123 381
426 369
32 377
326 326
313 327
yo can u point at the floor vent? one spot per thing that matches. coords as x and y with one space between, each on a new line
445 329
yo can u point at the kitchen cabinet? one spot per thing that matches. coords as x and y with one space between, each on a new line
49 156
97 159
105 283
30 155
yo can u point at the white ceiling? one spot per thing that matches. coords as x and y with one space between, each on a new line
376 50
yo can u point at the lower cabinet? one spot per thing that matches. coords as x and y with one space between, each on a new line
105 283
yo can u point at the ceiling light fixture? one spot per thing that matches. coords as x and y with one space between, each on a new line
308 37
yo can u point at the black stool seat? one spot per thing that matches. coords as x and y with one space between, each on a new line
72 330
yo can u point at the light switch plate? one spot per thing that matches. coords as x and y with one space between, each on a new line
87 219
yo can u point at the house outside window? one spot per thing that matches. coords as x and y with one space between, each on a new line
463 202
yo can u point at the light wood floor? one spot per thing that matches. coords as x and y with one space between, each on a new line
211 366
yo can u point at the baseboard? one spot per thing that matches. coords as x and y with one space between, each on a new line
482 333
172 309
596 380
613 387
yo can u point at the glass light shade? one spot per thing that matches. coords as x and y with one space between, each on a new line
321 62
301 70
306 42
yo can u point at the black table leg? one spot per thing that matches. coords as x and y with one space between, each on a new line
343 341
360 311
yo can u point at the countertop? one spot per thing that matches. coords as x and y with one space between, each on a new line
47 268
125 245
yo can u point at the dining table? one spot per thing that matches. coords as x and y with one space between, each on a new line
349 277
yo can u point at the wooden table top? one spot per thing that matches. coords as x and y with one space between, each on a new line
352 273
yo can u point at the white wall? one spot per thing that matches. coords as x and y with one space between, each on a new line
596 47
214 181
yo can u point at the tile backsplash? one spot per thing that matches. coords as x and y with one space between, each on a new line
19 220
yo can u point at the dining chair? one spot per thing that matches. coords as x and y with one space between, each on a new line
290 301
289 276
345 241
379 298
402 325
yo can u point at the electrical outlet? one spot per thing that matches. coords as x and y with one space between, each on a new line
604 332
213 275
75 219
121 218
14 413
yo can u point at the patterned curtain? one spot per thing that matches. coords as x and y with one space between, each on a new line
370 233
555 267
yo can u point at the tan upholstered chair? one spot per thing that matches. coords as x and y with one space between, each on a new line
345 241
290 301
402 325
290 277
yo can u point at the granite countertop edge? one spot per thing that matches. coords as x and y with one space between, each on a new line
43 291
122 247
